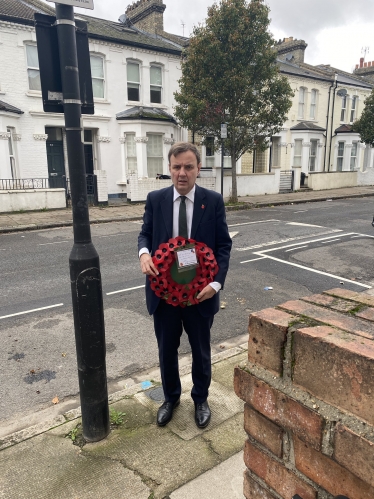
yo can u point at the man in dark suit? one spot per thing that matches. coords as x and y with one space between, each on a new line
187 210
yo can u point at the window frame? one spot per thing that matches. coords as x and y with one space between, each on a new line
353 157
298 155
302 92
154 65
315 156
32 68
353 111
129 157
160 135
137 63
103 79
340 157
343 108
12 153
313 105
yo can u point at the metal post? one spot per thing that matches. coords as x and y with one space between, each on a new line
84 261
222 163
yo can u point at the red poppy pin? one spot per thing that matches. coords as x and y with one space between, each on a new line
202 206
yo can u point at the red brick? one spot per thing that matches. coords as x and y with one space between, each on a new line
352 295
263 430
253 490
274 474
349 324
267 337
328 474
279 408
336 367
331 302
367 313
354 453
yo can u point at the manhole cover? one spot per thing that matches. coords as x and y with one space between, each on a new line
157 394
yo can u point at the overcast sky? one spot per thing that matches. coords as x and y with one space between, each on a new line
335 30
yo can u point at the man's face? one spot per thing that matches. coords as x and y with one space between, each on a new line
184 171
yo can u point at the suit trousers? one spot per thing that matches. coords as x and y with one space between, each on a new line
169 322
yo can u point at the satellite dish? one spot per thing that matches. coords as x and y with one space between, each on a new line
123 19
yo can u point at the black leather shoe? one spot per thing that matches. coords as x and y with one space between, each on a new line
202 414
165 412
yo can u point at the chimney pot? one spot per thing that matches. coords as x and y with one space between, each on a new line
365 64
361 62
369 64
356 66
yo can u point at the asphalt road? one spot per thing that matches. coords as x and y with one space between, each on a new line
296 250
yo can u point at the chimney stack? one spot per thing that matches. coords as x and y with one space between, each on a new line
147 15
362 62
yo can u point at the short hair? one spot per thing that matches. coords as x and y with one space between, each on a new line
180 147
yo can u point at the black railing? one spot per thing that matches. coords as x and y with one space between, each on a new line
91 182
15 184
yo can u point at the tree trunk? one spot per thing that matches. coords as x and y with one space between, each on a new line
234 189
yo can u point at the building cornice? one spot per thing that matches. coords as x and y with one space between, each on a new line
28 25
86 117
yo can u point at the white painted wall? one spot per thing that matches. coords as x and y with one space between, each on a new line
366 177
331 180
32 199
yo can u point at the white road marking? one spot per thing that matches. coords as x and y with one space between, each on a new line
273 243
331 241
137 222
58 242
304 242
233 234
2 249
363 235
254 259
251 223
113 235
124 290
31 311
301 211
304 225
315 271
297 248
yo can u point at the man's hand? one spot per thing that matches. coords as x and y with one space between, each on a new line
206 293
147 265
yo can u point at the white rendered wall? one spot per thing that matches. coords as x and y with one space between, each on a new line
332 180
32 199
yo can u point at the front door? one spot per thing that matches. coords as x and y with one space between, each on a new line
56 168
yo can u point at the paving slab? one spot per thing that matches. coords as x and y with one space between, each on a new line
138 460
225 481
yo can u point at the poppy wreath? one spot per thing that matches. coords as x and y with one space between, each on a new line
165 286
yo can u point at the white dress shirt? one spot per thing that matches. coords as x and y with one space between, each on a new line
190 198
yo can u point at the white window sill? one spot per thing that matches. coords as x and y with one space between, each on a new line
134 103
101 101
34 93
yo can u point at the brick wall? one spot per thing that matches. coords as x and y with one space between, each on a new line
308 386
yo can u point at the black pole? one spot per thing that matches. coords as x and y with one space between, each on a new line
84 261
222 161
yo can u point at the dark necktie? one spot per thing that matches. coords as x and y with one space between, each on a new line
183 232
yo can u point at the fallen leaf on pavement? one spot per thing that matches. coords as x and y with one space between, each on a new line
55 401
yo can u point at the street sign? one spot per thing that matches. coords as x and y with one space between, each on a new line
49 65
223 131
83 4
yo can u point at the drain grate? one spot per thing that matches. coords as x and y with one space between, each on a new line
157 394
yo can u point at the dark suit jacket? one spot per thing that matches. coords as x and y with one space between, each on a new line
208 226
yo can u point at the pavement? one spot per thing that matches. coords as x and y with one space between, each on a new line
36 220
138 460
